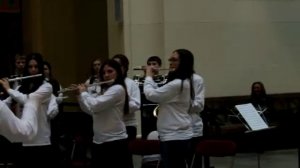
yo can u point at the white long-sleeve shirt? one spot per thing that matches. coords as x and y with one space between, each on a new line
107 111
44 132
18 106
19 129
52 110
197 105
134 98
173 120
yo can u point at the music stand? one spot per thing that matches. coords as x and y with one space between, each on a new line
253 121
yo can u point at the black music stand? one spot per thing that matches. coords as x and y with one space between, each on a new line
253 121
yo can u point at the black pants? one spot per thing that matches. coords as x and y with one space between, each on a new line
111 154
197 158
131 132
9 152
175 153
37 157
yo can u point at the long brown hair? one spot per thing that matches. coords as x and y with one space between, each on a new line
119 80
32 84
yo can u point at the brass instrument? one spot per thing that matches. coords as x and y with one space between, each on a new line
155 111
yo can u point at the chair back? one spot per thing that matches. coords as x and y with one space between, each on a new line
216 148
144 147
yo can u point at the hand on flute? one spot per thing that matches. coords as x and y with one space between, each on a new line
78 87
149 71
81 88
5 84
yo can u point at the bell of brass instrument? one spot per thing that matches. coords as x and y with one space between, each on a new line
155 111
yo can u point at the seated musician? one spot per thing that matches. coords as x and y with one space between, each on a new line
261 101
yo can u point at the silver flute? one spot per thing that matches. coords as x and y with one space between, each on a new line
72 88
24 77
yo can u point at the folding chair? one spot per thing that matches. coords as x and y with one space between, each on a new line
145 147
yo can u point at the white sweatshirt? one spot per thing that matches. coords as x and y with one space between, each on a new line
107 111
43 134
173 120
15 129
197 105
134 98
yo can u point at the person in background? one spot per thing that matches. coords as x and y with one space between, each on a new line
95 68
197 106
107 110
53 81
134 96
174 123
155 63
19 69
261 101
55 122
94 78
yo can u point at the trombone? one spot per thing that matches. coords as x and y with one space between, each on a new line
72 88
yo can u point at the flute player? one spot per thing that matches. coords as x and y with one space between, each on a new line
39 147
107 110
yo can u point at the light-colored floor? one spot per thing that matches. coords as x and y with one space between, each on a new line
269 159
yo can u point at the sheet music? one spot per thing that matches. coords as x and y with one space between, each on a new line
251 116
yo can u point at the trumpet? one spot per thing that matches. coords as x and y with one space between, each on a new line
23 77
72 88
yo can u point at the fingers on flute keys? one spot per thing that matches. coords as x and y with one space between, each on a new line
5 84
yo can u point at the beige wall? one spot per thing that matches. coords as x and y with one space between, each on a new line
235 42
69 33
115 30
139 33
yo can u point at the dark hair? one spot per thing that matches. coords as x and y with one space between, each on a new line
262 99
32 84
15 70
120 79
185 69
20 57
154 59
124 62
49 67
55 84
263 90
